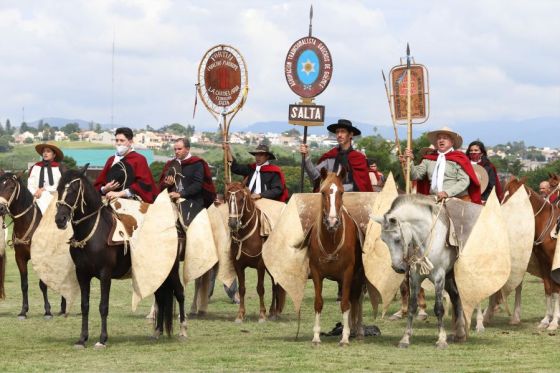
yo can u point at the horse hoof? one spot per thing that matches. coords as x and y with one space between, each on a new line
48 317
422 315
79 346
100 346
315 343
403 345
552 326
182 337
441 345
192 315
541 326
22 317
343 344
480 329
238 320
515 322
396 316
262 320
201 314
273 317
459 339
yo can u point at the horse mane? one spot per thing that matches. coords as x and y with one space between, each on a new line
24 195
331 177
91 195
419 200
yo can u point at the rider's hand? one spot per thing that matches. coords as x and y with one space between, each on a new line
169 180
38 192
407 154
441 195
256 196
174 195
110 186
304 149
113 195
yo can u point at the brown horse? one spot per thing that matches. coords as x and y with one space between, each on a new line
544 247
17 202
246 248
335 253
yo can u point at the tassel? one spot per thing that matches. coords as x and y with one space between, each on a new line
195 98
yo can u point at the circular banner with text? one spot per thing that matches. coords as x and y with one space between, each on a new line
308 67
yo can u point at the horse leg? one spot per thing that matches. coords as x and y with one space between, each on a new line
43 287
479 318
345 306
516 316
179 292
439 310
22 266
241 279
153 310
549 306
85 284
356 309
194 308
260 290
556 310
422 314
273 310
458 318
414 288
318 305
405 291
493 305
202 298
62 307
105 285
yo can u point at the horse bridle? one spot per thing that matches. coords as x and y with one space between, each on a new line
235 214
338 216
14 195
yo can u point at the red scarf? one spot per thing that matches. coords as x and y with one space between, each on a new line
423 186
273 168
358 163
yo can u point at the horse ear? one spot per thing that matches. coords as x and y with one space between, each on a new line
377 219
19 174
341 173
84 169
324 173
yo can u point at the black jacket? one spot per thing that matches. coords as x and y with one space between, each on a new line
271 185
190 188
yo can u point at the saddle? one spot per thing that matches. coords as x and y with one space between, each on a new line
462 218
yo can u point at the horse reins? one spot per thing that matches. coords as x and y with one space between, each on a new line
234 213
549 223
331 257
73 242
24 240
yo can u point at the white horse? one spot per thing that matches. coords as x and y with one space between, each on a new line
415 230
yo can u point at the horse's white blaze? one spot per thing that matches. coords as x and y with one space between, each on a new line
345 327
332 209
232 205
317 328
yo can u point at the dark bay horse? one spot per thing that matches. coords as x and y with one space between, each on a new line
92 221
335 253
246 248
544 248
415 231
17 202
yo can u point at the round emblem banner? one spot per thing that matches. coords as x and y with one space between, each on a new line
308 67
222 78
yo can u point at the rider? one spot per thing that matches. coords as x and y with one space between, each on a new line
263 179
44 175
193 183
445 172
126 174
357 178
477 154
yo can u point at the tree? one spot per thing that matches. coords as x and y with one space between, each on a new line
5 144
70 128
190 131
28 140
69 162
176 129
97 128
9 129
73 137
293 133
265 141
156 168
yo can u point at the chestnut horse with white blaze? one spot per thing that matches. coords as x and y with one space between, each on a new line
335 253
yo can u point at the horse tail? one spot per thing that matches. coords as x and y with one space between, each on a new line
164 300
3 259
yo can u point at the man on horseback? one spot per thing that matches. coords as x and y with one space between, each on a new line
263 179
445 172
357 176
126 174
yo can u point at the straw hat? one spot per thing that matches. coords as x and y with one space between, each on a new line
58 154
482 176
262 148
455 137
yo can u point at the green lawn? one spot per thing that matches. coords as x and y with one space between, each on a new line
216 343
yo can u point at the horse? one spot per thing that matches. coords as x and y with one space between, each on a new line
18 202
244 222
544 248
415 230
335 253
92 221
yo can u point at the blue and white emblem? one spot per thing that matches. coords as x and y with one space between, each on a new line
308 67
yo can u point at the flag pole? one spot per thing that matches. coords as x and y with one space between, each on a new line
409 118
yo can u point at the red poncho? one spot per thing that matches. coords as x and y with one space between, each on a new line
275 169
358 163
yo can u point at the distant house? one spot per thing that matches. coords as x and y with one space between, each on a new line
20 138
60 136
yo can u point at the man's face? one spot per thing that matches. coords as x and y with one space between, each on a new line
343 137
544 188
261 158
121 139
443 142
373 167
181 151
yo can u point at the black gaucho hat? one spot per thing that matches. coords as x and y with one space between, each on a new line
121 172
262 148
346 124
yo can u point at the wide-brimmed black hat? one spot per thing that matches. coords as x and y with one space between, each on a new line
346 124
262 148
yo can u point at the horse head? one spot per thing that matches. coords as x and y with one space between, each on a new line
76 195
397 236
10 189
239 201
331 191
512 186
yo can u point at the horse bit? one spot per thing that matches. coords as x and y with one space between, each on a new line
25 240
235 214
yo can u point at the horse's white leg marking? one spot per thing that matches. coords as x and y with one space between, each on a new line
516 317
548 315
317 329
345 329
332 209
183 331
152 314
479 319
556 312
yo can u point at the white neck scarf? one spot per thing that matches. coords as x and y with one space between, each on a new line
439 172
187 157
256 179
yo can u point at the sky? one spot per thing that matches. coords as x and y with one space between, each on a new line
487 59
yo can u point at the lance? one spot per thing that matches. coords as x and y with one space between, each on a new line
409 118
397 141
302 173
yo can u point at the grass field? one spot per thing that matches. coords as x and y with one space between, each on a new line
216 343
